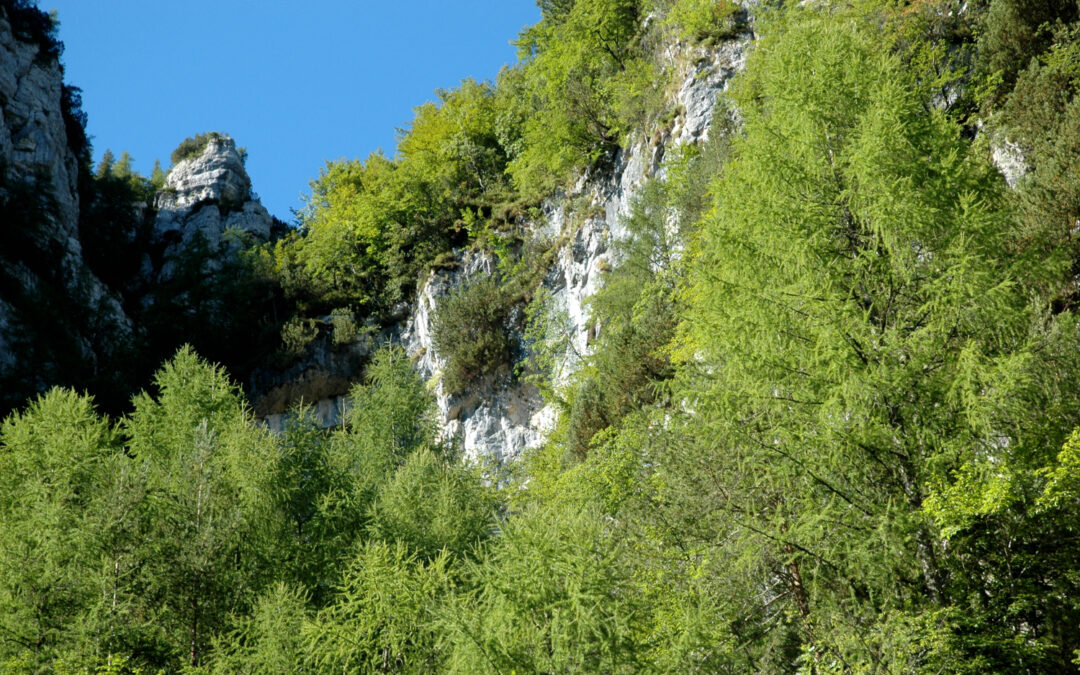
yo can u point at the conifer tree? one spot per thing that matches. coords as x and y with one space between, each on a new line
105 166
864 360
208 518
52 462
157 175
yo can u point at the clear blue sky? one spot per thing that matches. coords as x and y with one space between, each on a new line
296 83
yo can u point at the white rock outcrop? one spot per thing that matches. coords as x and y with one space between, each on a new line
208 195
1008 157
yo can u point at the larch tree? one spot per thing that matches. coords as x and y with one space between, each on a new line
869 366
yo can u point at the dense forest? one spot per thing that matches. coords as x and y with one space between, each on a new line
826 424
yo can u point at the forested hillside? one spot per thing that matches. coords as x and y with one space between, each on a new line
826 420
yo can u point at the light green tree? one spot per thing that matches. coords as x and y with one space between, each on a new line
53 457
552 594
435 503
268 640
384 619
865 356
208 516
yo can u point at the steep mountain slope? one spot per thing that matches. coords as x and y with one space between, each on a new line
703 340
102 275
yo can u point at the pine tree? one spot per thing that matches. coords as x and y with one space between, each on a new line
105 166
157 175
53 459
122 168
209 519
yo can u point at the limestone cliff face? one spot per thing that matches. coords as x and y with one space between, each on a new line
208 195
42 255
501 419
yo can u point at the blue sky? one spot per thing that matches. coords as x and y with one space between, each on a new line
296 83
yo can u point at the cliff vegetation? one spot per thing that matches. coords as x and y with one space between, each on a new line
826 419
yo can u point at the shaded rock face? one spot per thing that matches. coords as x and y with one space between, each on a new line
40 252
321 379
208 195
501 419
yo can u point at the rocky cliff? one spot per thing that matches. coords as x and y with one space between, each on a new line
33 138
41 257
204 197
502 417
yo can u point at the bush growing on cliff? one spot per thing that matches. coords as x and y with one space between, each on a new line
343 324
193 146
472 332
704 19
581 78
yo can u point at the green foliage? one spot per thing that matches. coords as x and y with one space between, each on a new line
638 307
208 526
548 341
434 504
391 417
472 332
193 146
1015 31
384 617
157 176
113 231
310 488
53 459
826 420
1042 115
704 19
861 344
297 334
105 166
224 300
268 640
580 86
372 227
31 24
343 322
553 597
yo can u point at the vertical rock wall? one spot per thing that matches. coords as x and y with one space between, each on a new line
37 162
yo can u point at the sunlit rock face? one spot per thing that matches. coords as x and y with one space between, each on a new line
208 195
215 174
501 418
33 140
1008 158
